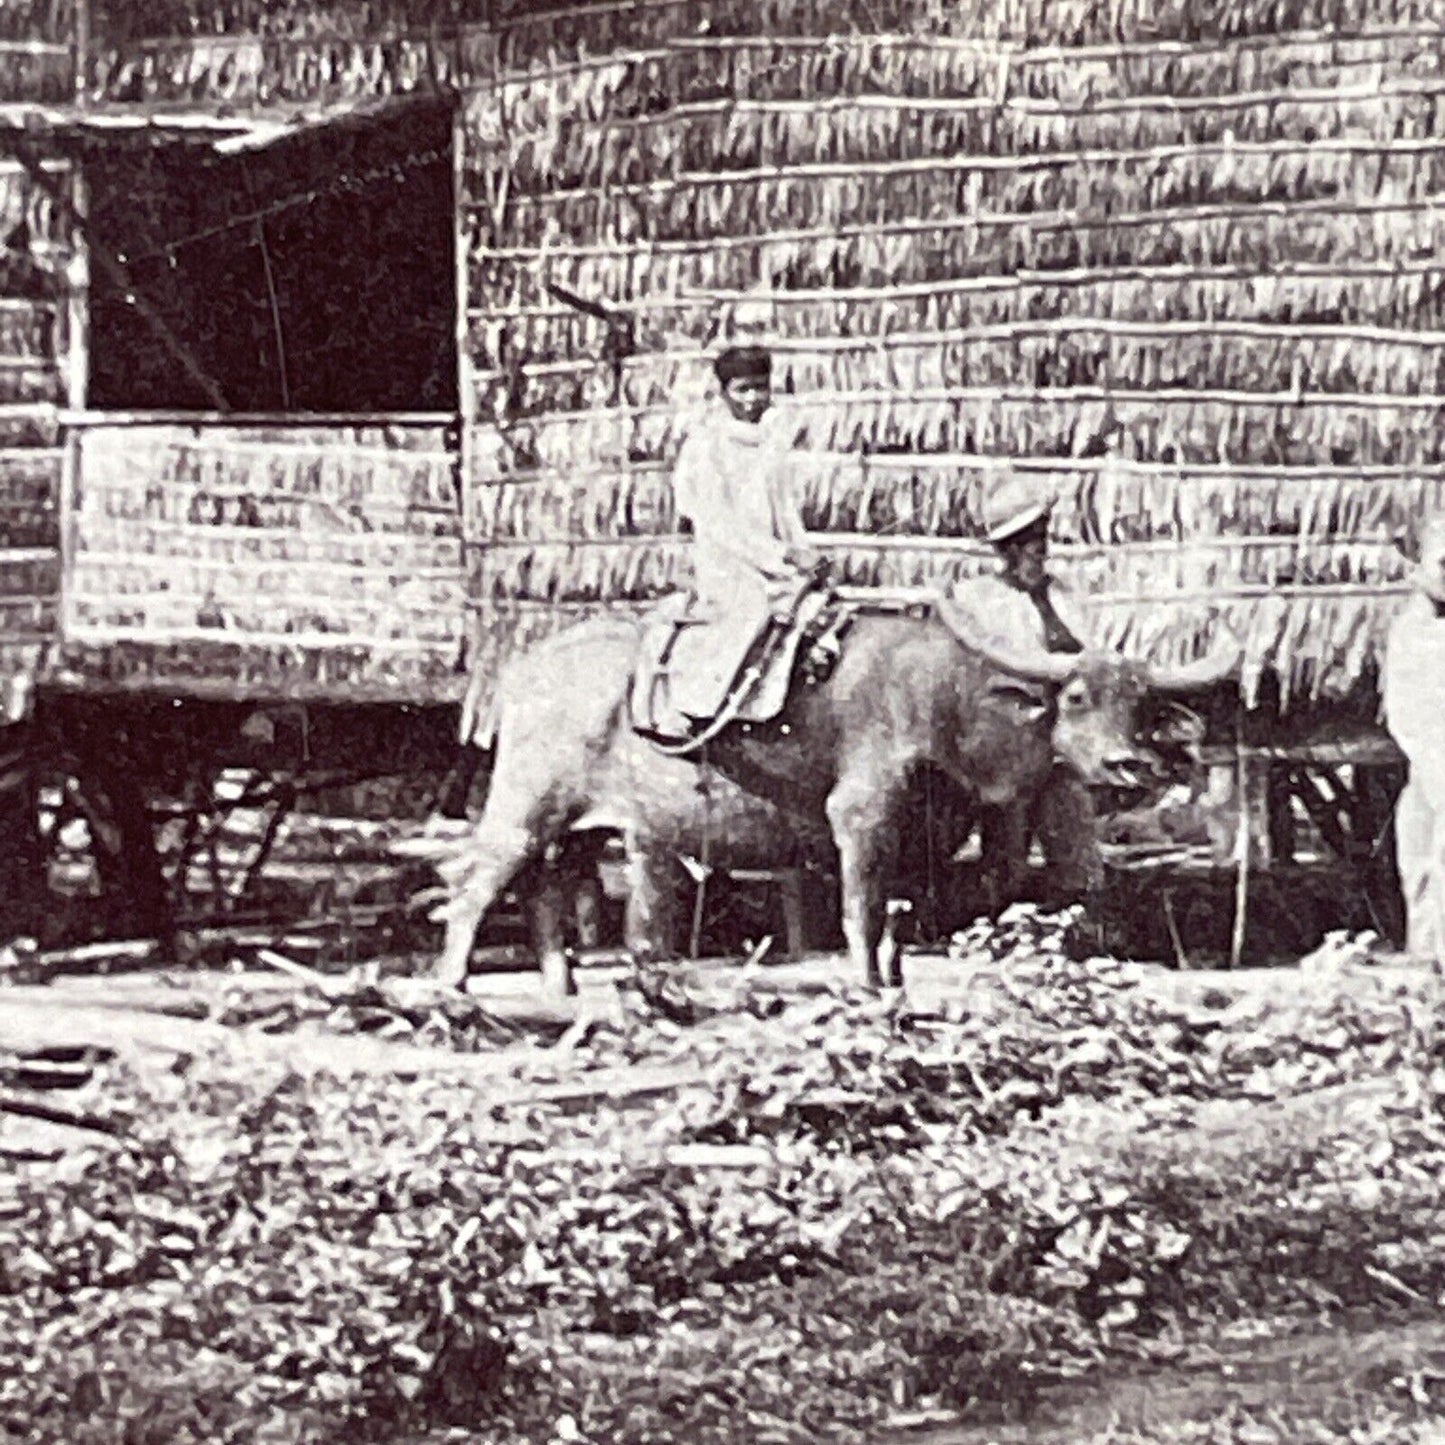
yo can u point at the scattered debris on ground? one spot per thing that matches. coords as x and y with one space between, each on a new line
717 1208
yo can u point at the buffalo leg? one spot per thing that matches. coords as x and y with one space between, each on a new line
1004 838
1064 821
533 800
861 817
651 923
565 900
493 859
549 935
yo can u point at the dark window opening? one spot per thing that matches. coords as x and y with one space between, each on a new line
313 274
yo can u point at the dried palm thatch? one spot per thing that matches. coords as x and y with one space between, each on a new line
35 246
1179 261
1179 266
254 73
1220 73
1177 425
535 36
250 56
1180 355
36 22
976 246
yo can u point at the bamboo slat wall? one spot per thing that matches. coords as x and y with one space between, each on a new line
319 563
1180 263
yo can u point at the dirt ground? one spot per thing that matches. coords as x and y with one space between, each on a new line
1263 1104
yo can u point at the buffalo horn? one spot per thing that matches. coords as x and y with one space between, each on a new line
1199 675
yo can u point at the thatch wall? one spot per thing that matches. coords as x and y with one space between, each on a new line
223 558
32 355
35 52
256 55
1178 262
320 562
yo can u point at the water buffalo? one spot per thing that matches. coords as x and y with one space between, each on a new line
910 691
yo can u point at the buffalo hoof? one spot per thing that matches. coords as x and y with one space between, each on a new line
889 981
445 974
559 979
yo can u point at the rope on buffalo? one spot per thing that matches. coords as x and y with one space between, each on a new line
704 872
731 709
1241 841
719 724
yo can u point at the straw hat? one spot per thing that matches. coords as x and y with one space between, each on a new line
1013 507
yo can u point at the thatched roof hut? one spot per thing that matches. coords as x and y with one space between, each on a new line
232 376
1177 262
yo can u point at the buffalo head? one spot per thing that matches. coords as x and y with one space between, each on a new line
1098 701
1101 708
1099 713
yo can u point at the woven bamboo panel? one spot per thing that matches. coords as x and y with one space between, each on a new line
1178 265
232 560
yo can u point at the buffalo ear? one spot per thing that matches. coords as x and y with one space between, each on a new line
1025 699
1175 724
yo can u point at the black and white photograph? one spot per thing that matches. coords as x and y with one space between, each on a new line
722 722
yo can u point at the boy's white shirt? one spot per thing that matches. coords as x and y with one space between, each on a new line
732 482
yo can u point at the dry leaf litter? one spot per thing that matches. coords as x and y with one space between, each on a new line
799 1216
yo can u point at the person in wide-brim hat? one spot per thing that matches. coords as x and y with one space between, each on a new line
1019 600
1019 609
1011 513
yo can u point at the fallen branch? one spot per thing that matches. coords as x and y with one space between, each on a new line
30 1073
137 948
26 1107
291 969
24 1154
611 1085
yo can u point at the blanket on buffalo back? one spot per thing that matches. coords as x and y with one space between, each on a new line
697 673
